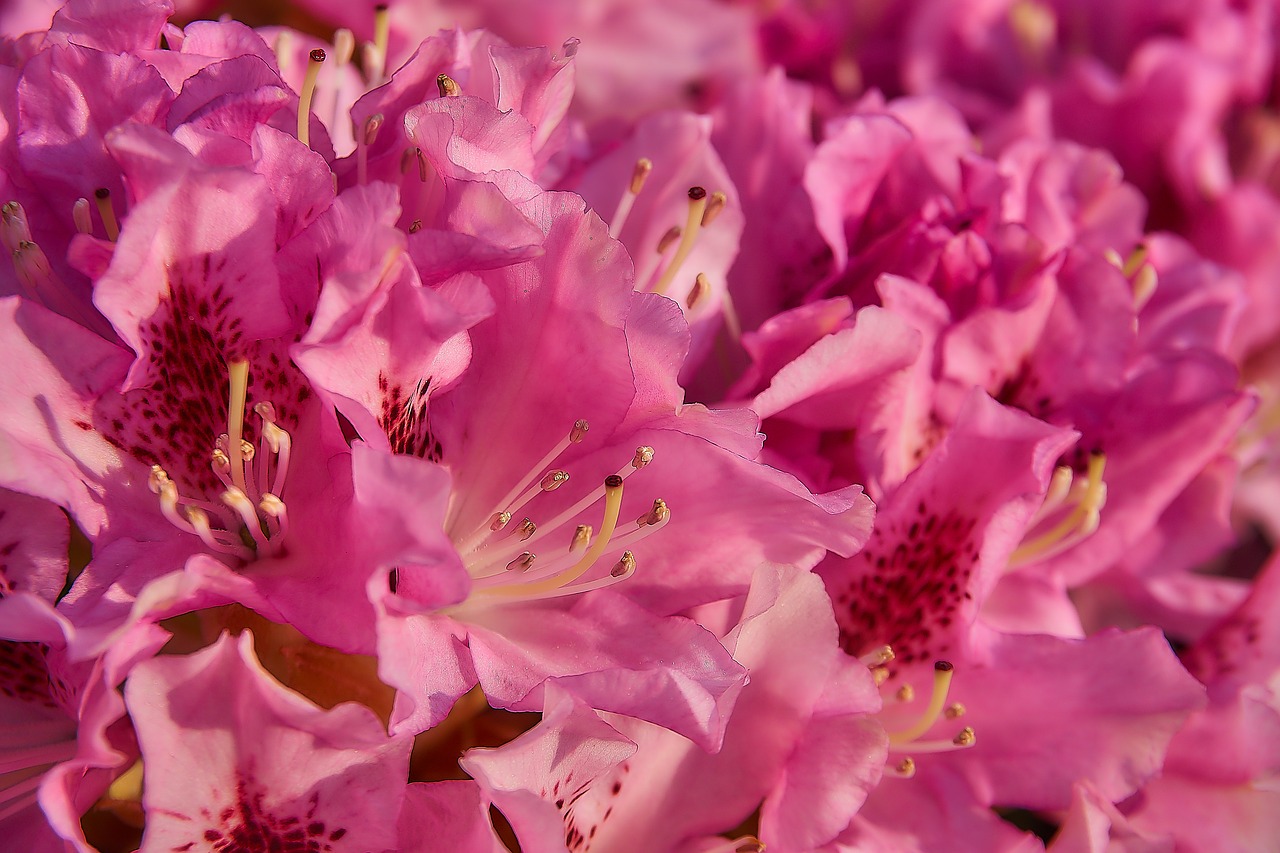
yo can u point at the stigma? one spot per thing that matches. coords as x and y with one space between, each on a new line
248 518
519 553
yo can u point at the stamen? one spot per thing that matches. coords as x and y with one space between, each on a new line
526 529
639 175
625 567
715 206
613 503
964 739
381 40
239 502
81 217
554 480
880 674
697 293
1076 526
1136 259
14 229
657 515
314 60
344 46
955 711
200 522
581 537
906 693
32 266
160 484
275 510
570 47
522 563
942 672
745 844
644 455
239 387
368 136
283 48
499 521
107 212
579 431
877 657
697 206
904 769
671 235
415 226
447 86
423 165
1145 283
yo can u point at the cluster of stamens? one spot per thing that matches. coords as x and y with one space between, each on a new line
1071 512
500 555
908 740
249 519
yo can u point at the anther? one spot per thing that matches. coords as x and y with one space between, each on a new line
81 217
715 206
423 174
570 47
581 538
579 431
372 125
955 711
697 293
107 212
697 207
271 505
644 455
14 230
314 60
880 674
344 46
522 563
657 515
499 521
626 565
415 226
966 737
906 693
368 135
906 768
526 529
877 657
554 480
671 235
639 174
448 87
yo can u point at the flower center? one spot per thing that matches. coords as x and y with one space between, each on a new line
248 519
500 556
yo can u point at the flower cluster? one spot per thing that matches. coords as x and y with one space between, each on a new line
815 426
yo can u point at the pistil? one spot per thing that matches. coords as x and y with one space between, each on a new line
314 60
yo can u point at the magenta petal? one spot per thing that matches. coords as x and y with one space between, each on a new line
552 763
449 816
667 670
260 761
